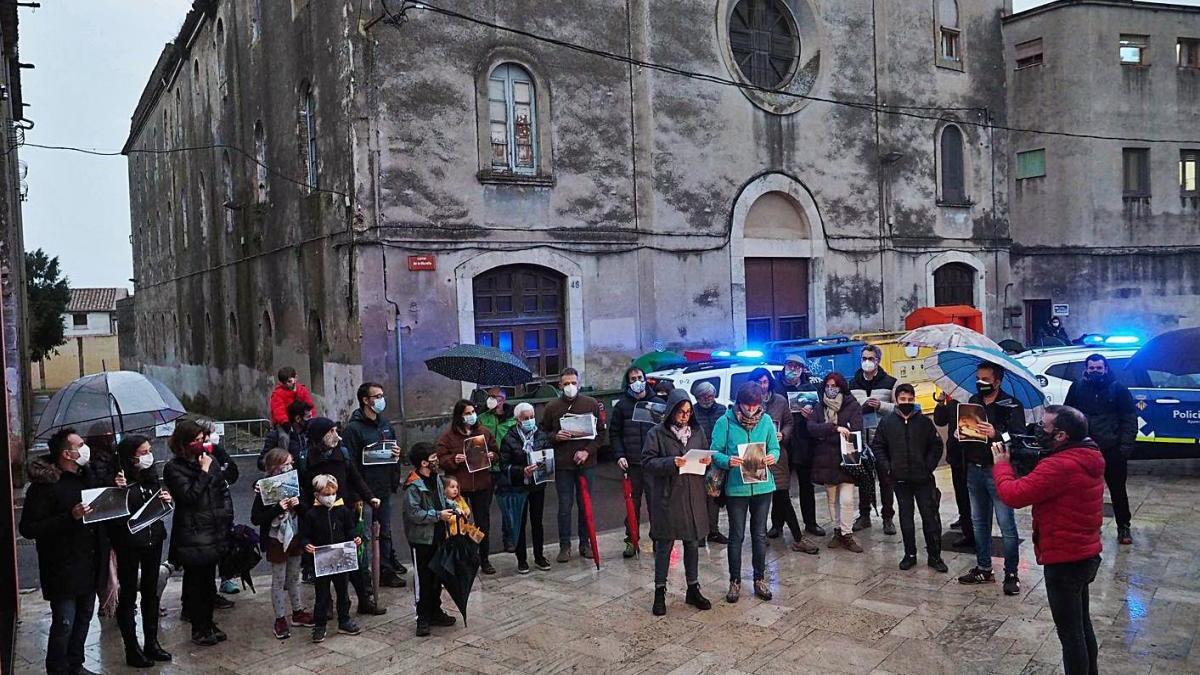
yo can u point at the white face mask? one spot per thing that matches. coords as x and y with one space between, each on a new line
327 500
869 366
146 461
85 454
571 390
492 403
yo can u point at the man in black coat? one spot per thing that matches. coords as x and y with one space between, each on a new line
627 436
873 387
1112 424
797 378
908 448
68 550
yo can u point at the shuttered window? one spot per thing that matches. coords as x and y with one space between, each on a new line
953 182
1136 170
1029 53
1031 164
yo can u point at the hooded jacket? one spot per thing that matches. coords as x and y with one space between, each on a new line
907 449
282 397
450 444
728 434
678 502
203 512
421 507
69 552
1112 419
625 435
360 433
1066 490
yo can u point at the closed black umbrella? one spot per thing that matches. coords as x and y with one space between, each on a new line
1176 352
108 403
480 365
455 564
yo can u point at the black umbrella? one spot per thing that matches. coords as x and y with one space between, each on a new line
480 365
1175 352
107 403
455 564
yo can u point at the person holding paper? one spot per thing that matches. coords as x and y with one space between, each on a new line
278 525
68 550
626 437
573 457
329 521
498 419
782 511
678 501
744 423
139 555
797 378
476 485
872 386
517 470
836 416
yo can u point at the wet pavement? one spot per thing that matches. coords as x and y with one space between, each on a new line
834 612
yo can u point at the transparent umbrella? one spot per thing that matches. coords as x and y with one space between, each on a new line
109 403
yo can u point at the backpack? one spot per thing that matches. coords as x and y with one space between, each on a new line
242 555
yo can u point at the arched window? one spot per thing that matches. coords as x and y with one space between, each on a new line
954 284
203 210
953 180
227 185
765 42
519 309
949 44
260 162
512 117
308 135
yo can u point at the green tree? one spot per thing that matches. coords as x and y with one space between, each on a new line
49 294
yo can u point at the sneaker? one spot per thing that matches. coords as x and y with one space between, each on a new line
442 619
301 617
977 576
762 590
1012 585
815 530
889 526
629 551
851 545
348 627
717 538
1124 537
222 602
585 551
735 592
804 545
522 567
939 565
862 523
370 608
230 587
564 554
696 599
281 629
318 634
774 532
423 627
486 567
541 563
836 540
908 562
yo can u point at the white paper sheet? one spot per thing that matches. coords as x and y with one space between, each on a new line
693 466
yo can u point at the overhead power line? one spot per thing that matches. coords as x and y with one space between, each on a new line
400 17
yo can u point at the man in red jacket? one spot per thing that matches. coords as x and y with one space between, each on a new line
287 390
1066 490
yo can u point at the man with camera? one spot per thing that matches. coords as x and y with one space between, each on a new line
1066 490
1112 424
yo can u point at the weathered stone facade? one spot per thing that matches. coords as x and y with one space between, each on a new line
645 193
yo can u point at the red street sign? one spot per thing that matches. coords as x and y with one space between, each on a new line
422 263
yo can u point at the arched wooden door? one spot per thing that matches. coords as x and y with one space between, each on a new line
519 309
954 284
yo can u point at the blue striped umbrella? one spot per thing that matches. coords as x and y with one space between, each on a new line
953 371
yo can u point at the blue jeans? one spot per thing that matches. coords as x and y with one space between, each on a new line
758 506
982 488
566 484
69 622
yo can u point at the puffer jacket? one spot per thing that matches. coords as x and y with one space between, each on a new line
827 442
451 443
69 552
360 433
678 502
907 449
728 434
514 459
203 512
1066 490
707 417
625 435
421 507
1112 419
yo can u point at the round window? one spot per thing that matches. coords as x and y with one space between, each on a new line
765 42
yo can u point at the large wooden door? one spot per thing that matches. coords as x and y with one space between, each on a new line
776 299
519 309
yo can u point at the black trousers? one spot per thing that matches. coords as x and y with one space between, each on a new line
137 571
426 589
480 502
321 605
637 480
926 496
199 592
783 513
1067 590
1116 472
958 475
807 494
535 507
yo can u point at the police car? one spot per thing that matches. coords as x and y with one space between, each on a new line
1165 384
726 372
1056 368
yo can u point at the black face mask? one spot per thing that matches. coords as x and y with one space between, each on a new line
1094 377
1046 438
984 388
906 409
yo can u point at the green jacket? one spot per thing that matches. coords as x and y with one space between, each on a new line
727 436
491 421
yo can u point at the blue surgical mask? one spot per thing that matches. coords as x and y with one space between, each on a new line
379 404
529 425
470 420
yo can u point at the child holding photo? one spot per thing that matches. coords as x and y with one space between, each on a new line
278 525
329 521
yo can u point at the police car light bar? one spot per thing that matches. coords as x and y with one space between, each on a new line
1122 340
750 354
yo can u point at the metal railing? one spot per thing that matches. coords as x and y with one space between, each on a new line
243 438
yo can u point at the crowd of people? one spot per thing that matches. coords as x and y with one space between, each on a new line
341 497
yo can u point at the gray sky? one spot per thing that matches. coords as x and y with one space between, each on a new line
93 57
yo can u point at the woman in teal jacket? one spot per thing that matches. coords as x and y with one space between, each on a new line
745 422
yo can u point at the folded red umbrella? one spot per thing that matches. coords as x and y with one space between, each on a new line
585 500
631 513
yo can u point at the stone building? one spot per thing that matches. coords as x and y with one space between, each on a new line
13 191
1105 230
367 192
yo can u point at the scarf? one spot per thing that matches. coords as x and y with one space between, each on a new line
284 527
832 406
682 433
748 422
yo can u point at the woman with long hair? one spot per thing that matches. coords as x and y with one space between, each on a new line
476 485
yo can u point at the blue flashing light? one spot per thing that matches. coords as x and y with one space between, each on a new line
750 354
1093 339
1122 340
721 353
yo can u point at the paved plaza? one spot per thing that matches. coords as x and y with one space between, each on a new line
834 612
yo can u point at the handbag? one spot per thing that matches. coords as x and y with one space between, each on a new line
714 478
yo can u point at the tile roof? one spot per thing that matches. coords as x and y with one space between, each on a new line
95 299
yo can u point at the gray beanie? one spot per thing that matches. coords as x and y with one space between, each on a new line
704 388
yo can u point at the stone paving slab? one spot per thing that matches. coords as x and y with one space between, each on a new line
836 612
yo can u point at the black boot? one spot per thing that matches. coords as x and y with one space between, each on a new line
155 652
133 652
695 599
151 648
660 601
